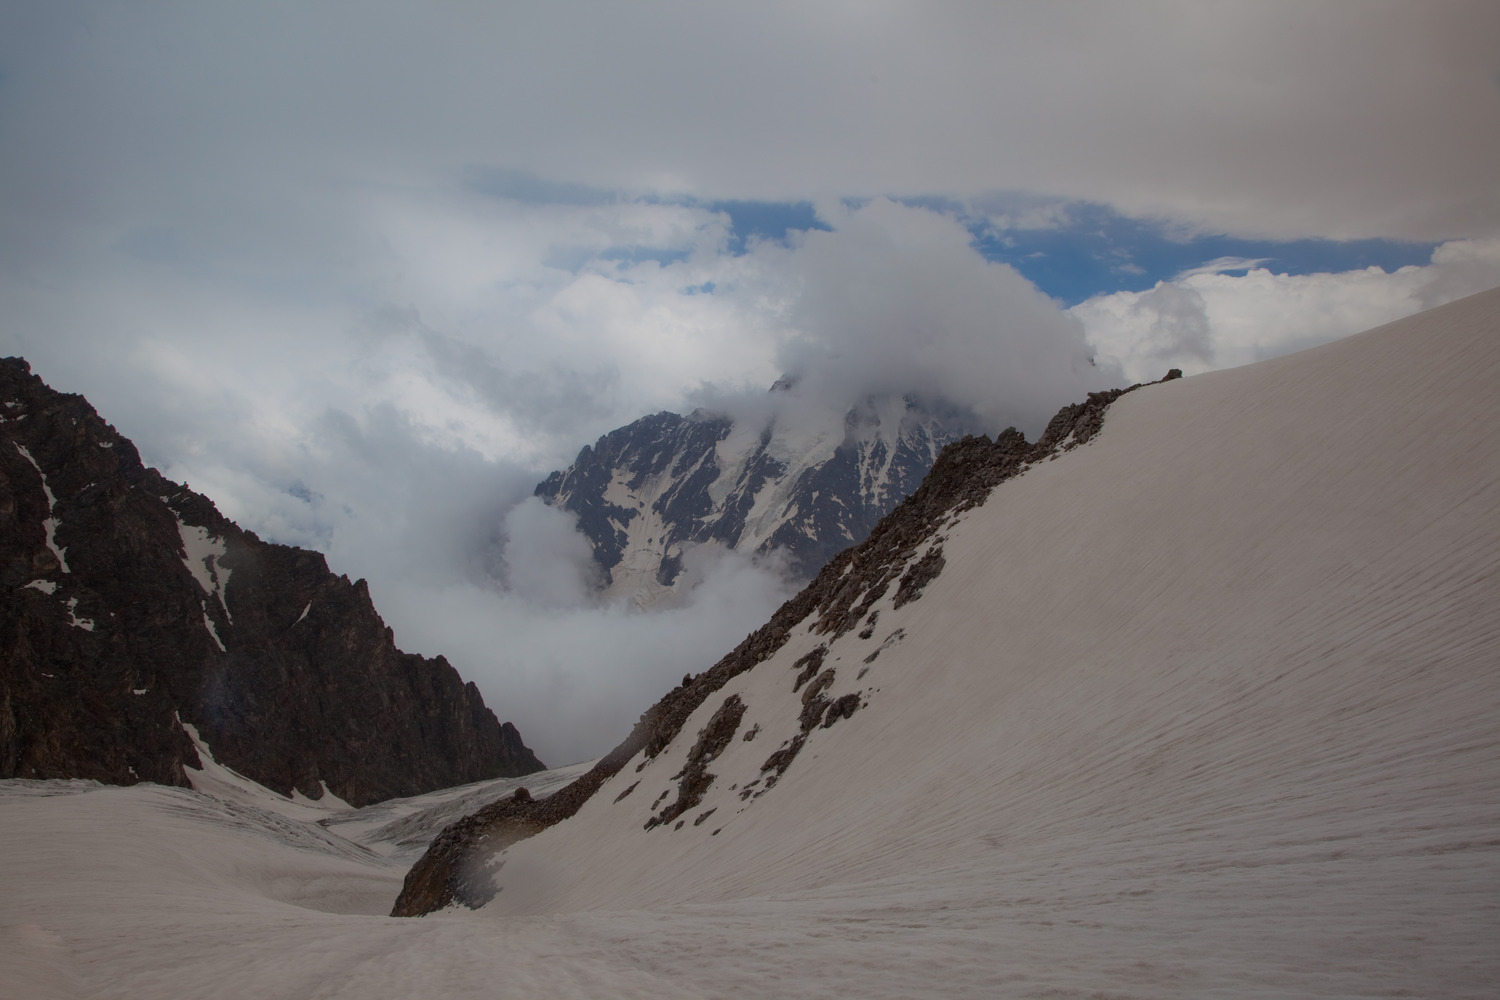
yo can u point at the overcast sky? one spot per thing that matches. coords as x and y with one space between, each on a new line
365 272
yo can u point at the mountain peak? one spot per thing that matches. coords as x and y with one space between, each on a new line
132 606
648 493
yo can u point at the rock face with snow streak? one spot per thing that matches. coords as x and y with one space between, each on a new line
130 605
646 493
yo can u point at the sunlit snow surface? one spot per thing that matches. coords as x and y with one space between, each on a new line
1206 708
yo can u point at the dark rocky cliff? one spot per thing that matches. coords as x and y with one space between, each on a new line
129 605
454 868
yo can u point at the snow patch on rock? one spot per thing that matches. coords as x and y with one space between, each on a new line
50 523
87 624
201 553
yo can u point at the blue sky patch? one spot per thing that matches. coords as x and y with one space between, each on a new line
1090 249
1071 250
637 254
768 220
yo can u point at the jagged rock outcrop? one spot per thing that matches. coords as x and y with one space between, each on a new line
646 493
130 605
903 550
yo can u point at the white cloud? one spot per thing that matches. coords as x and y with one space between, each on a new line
574 679
1221 264
547 561
896 299
1206 319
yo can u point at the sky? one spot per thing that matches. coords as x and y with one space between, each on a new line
365 273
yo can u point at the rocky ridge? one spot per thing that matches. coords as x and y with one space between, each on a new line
646 493
904 551
129 606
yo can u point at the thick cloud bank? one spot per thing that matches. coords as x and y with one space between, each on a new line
575 676
895 299
1326 119
1208 319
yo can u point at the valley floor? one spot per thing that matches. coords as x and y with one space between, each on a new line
150 892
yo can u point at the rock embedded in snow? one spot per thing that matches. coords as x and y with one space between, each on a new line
165 609
694 778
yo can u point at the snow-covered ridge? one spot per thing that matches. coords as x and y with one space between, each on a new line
646 494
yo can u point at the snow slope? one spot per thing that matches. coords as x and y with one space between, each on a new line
1206 707
228 890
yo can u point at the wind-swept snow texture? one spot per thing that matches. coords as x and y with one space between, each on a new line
1203 708
227 890
1206 706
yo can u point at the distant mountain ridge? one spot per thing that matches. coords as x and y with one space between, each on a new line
646 493
129 606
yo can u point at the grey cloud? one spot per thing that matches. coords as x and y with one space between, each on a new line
1209 319
520 185
1174 326
1021 210
897 300
547 561
1325 120
558 402
575 678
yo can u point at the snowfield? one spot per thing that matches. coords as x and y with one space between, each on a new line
1208 707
